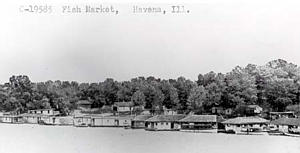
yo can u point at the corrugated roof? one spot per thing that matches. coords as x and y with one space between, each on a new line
165 118
245 120
287 121
199 118
142 117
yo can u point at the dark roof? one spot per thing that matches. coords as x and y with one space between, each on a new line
199 118
124 104
287 121
245 120
83 102
165 118
142 117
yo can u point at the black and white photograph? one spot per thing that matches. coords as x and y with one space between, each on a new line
141 76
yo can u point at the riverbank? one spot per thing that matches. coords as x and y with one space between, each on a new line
30 138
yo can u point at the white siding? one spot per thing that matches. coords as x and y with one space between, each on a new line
82 120
124 122
124 109
104 122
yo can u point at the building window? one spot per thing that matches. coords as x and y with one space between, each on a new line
155 123
167 123
48 111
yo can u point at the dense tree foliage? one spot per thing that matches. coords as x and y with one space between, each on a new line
273 86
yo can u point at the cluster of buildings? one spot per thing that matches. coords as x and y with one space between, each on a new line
122 116
39 116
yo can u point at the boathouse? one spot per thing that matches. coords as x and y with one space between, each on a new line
99 120
204 123
245 124
287 125
82 120
277 115
164 122
11 119
139 121
43 116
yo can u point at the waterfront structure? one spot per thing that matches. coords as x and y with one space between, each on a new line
287 125
277 115
11 119
139 121
99 120
82 120
43 112
43 116
245 124
102 120
164 122
204 123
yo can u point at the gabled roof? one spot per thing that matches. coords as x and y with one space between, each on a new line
142 117
165 118
199 118
124 104
83 102
245 120
287 121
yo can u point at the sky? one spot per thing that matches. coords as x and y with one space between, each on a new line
215 36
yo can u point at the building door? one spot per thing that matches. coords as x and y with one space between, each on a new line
172 125
116 122
93 122
152 125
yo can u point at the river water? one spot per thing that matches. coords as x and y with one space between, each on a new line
25 138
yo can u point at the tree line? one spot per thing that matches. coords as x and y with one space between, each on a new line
273 86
